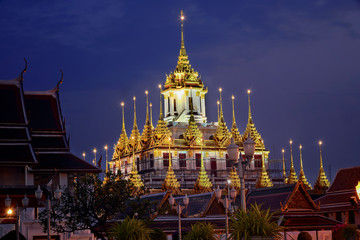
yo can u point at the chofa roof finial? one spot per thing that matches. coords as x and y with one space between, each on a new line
23 71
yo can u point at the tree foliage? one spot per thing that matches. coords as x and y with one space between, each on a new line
201 231
90 203
130 229
254 222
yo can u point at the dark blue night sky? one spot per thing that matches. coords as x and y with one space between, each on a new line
301 59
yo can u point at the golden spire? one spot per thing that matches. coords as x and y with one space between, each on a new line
202 183
264 180
182 48
234 130
322 183
222 135
135 134
151 122
218 109
292 174
161 133
283 159
134 177
250 128
119 148
192 134
146 134
234 180
302 174
170 183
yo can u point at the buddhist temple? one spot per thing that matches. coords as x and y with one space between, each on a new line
185 148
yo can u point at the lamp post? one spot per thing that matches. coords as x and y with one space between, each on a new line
231 195
233 153
48 202
25 203
179 209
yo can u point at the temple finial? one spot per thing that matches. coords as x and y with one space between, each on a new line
221 109
147 107
135 123
218 110
151 122
301 162
233 109
161 117
321 162
250 117
182 49
202 183
292 174
302 176
322 183
264 180
283 162
23 71
123 116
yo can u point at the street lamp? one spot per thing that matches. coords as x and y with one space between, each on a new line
233 153
179 209
48 202
25 203
228 199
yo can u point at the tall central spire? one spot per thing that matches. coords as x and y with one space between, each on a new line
135 135
302 174
322 183
292 174
182 48
146 134
222 135
250 117
234 129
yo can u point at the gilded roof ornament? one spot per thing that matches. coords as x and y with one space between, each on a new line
222 135
234 180
234 129
184 74
264 180
119 148
283 162
202 184
250 128
135 134
134 177
302 176
292 178
151 121
170 182
147 132
192 134
161 133
322 183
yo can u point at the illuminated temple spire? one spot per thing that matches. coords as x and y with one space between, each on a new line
182 48
250 128
264 180
120 147
322 183
146 134
134 177
292 174
218 109
202 183
234 180
170 183
222 135
192 134
234 130
283 162
161 133
135 134
151 122
302 174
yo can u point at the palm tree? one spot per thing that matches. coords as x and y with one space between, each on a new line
201 231
130 229
254 222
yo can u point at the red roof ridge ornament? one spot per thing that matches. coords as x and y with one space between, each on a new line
56 89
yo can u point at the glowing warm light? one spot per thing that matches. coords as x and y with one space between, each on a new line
160 86
282 150
232 97
83 154
300 146
179 93
169 138
201 139
358 189
248 91
122 104
134 98
218 102
106 147
146 92
182 17
150 104
290 141
9 211
320 143
94 150
229 181
220 89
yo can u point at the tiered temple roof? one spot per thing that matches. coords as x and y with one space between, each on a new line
302 176
222 135
264 180
292 178
322 183
234 129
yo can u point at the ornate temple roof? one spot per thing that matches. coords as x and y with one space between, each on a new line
292 178
302 176
135 134
192 134
202 184
264 181
119 148
234 180
147 132
170 182
322 183
183 75
222 135
234 129
134 175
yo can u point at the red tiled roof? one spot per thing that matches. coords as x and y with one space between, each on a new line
308 222
346 179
